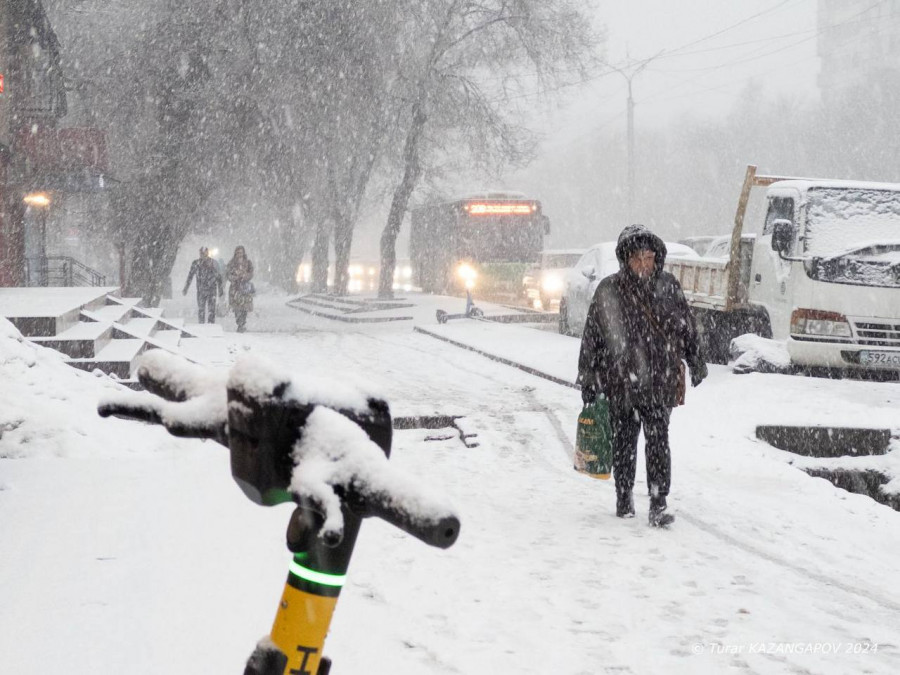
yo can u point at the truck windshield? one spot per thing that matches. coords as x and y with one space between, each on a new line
841 219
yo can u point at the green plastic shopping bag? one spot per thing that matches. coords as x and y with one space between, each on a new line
593 440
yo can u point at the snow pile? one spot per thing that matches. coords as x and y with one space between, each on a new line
48 408
334 452
754 354
887 465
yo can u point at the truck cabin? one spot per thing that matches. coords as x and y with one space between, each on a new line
842 231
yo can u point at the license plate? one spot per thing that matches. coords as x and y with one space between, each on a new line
879 359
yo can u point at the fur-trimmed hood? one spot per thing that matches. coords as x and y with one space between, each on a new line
636 237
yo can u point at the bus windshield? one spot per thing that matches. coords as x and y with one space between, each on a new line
494 235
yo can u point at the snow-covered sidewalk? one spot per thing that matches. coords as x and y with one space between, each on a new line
125 550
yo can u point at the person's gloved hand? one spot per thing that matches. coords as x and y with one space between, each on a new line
699 374
588 392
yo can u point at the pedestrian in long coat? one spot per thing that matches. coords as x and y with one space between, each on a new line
639 329
240 290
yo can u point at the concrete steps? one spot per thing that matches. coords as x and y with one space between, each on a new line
351 310
83 340
96 329
117 358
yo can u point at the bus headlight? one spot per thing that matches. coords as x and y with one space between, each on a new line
467 275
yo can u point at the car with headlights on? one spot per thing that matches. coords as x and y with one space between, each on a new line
598 262
543 283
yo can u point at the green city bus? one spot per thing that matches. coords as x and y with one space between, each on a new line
482 243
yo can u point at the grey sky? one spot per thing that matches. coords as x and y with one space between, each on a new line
711 50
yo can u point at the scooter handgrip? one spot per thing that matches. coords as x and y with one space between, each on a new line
435 529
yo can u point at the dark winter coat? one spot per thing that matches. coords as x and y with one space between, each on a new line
209 279
638 331
239 273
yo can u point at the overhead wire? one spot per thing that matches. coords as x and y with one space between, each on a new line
746 59
664 54
728 28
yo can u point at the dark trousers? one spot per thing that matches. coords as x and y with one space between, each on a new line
240 316
626 425
206 307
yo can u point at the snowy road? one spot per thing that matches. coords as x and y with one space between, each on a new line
151 561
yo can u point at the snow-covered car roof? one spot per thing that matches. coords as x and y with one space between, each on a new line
672 248
679 250
564 251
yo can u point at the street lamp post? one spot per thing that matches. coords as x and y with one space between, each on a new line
629 73
41 201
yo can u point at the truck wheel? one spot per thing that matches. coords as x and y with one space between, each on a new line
715 335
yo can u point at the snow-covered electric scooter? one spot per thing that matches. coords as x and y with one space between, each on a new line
472 312
324 449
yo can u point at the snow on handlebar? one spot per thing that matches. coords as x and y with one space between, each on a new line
335 453
320 444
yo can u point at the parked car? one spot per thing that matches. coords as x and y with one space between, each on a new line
544 283
719 248
701 244
597 263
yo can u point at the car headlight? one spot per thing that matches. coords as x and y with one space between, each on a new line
819 323
552 284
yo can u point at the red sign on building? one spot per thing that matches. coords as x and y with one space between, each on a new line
74 148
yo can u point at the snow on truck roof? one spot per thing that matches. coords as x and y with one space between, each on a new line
806 184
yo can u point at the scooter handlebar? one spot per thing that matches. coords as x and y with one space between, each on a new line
438 527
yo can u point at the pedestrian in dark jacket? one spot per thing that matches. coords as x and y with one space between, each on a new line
240 291
639 328
209 284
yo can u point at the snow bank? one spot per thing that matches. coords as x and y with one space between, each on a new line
754 354
888 465
48 408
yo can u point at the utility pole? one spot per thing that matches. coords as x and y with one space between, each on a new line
629 72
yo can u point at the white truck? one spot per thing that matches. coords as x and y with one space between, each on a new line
820 271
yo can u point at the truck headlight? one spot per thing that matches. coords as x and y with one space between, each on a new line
817 323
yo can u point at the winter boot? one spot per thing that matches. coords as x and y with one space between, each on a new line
624 504
658 516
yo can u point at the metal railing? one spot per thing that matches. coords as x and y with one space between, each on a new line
61 270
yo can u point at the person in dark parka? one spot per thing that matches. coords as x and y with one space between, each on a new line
639 328
209 282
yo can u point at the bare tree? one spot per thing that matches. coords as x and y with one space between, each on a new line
471 62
